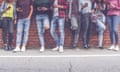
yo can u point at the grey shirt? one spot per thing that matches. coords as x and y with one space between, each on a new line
86 9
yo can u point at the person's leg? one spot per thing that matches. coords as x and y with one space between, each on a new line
116 21
110 26
61 24
100 29
100 39
45 25
46 22
10 35
26 33
74 21
39 21
19 34
85 23
53 31
4 33
89 31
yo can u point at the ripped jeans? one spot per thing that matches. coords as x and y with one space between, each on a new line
23 26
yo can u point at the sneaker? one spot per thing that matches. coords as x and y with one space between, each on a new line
61 49
85 46
5 47
42 49
23 49
10 47
74 45
116 48
55 49
100 47
17 49
112 47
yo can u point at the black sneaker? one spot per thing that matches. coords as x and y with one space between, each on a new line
74 46
10 48
88 46
100 47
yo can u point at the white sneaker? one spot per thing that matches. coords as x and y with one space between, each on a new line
42 49
61 49
55 49
116 48
112 47
23 49
17 49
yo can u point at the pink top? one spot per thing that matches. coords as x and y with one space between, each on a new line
116 9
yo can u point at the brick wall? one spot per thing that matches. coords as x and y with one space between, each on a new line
34 40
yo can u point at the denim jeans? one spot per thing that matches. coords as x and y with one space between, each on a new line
76 24
23 26
41 21
86 28
100 26
113 24
7 27
60 22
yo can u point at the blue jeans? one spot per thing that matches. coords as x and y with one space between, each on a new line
60 22
41 21
7 28
23 26
100 29
86 28
113 24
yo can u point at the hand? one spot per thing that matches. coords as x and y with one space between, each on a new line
56 6
18 10
44 9
112 6
39 8
7 9
29 17
92 11
15 21
85 5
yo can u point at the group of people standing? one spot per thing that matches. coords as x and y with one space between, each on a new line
50 14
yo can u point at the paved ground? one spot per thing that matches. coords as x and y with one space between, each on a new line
72 60
78 51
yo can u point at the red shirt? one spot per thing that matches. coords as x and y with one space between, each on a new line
62 11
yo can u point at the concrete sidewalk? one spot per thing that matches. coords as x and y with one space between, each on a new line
72 60
67 52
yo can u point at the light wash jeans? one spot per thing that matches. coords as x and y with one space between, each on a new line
41 21
113 24
60 22
23 26
100 29
75 26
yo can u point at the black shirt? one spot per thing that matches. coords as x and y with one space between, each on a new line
23 5
41 3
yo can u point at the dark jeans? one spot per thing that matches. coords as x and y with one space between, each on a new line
7 29
86 28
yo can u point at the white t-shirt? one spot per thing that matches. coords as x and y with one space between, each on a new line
56 10
87 9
